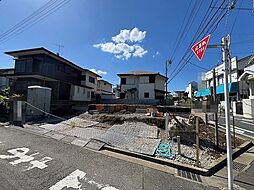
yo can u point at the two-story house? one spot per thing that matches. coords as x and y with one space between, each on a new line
248 78
142 85
4 81
104 89
41 67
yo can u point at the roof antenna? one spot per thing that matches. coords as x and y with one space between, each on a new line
59 50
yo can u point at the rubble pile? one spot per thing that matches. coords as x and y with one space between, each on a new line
112 119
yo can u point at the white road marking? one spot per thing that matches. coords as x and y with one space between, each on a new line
71 181
41 164
75 181
223 127
245 130
21 154
237 131
247 122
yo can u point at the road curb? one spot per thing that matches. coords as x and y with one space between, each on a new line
222 161
208 171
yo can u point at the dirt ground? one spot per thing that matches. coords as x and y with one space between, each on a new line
180 126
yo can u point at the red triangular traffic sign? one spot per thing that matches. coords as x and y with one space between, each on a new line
200 47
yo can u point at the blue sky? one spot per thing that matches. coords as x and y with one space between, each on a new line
81 24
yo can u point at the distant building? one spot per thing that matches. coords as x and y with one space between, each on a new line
191 89
104 89
4 81
117 91
248 78
142 85
237 89
41 67
179 94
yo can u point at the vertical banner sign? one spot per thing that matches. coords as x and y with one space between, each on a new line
200 47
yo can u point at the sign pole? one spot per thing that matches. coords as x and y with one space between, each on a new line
199 50
226 60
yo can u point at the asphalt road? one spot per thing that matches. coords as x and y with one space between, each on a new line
29 161
243 126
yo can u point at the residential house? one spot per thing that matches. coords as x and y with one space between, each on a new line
179 94
117 91
142 85
104 89
4 82
248 78
237 89
38 66
191 89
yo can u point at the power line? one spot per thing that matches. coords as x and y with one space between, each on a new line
237 14
28 22
211 24
205 69
193 14
212 27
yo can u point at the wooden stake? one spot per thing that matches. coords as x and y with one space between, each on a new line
197 141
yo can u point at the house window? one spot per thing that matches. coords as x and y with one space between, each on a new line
83 77
78 90
23 65
60 67
146 95
104 83
84 90
240 72
152 79
91 79
123 80
88 94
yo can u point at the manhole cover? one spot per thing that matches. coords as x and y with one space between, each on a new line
189 175
239 166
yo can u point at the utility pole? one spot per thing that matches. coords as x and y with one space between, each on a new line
60 47
168 62
216 140
226 60
197 141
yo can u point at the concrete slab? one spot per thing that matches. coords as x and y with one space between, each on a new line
94 144
84 133
246 179
56 127
79 142
68 139
78 122
131 143
135 129
36 129
55 135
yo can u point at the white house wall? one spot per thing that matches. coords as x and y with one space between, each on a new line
160 83
143 79
87 83
149 87
104 86
79 93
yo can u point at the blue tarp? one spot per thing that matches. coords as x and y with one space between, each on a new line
232 87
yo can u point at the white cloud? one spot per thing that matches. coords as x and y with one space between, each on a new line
121 46
99 72
134 35
156 54
139 51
